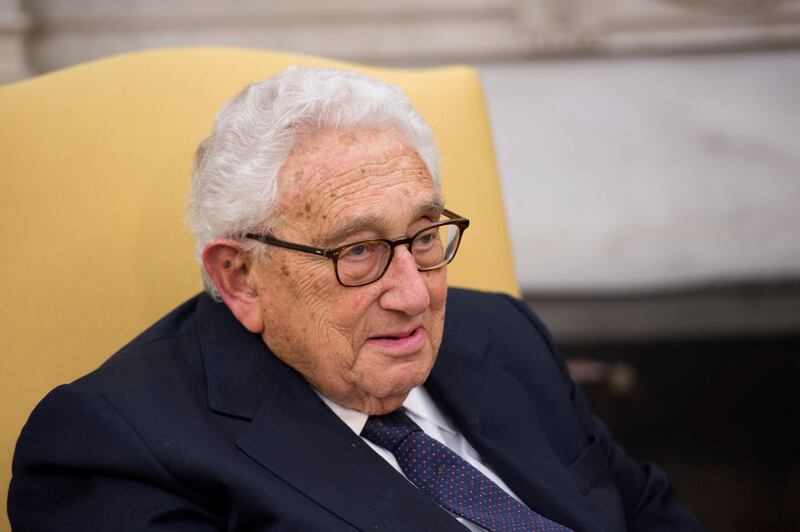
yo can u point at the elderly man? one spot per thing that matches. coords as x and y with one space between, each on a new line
320 384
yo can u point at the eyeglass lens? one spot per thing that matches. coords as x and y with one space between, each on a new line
364 262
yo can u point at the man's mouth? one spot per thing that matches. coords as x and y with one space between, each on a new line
399 342
395 336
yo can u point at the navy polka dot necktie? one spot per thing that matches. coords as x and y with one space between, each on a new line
449 479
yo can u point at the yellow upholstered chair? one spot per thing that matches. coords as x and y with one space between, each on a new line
94 163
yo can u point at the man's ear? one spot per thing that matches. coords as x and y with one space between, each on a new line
230 269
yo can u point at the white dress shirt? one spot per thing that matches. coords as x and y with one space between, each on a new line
423 411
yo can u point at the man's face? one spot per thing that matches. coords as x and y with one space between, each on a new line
362 347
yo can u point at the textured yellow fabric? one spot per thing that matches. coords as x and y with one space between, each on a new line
94 162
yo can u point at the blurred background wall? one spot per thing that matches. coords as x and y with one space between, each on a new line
650 155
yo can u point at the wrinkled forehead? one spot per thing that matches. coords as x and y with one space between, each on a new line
331 167
318 158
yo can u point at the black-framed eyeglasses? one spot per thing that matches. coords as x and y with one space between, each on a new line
365 261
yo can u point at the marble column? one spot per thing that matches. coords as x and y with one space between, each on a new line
13 27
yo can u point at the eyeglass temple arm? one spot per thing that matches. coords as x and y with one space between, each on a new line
264 239
454 217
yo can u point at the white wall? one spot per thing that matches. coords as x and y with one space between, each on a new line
649 172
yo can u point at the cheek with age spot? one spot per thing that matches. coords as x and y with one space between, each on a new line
358 300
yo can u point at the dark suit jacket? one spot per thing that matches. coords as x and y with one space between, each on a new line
195 425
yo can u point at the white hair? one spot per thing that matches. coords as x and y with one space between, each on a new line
234 185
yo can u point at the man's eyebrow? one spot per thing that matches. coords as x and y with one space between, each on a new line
435 207
376 221
359 223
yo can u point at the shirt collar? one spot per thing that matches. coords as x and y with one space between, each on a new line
352 418
418 404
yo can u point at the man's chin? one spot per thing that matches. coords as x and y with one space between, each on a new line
399 381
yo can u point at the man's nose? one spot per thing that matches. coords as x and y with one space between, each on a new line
407 291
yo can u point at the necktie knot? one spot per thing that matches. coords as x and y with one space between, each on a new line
389 430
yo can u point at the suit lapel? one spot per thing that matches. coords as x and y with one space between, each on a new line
295 436
494 413
299 439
